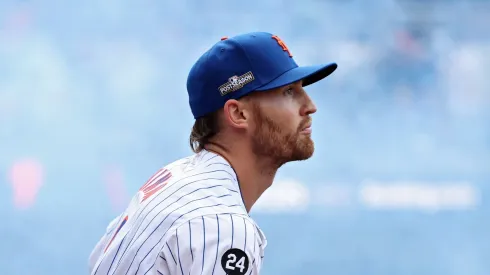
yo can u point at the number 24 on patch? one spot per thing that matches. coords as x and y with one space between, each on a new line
235 262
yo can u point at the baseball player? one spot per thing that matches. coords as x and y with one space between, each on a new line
251 117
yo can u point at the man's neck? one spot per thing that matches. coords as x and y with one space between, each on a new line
254 174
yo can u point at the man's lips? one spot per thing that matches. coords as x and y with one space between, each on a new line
307 129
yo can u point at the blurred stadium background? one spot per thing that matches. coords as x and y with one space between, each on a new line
93 101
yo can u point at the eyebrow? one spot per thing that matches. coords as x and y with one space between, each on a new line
291 85
300 83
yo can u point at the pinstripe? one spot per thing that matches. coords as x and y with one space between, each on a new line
255 241
213 157
204 243
163 200
168 215
195 190
149 251
148 270
115 256
172 254
204 233
175 184
218 163
158 204
149 202
178 251
245 224
136 254
190 240
137 229
219 204
217 245
232 231
200 159
139 265
252 266
163 236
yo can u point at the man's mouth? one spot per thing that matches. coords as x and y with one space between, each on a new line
307 129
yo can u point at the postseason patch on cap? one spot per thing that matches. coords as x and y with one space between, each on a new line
235 83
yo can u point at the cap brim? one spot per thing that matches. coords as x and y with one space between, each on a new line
309 75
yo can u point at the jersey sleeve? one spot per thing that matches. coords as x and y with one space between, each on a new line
215 244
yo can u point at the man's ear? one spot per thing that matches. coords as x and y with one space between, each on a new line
237 114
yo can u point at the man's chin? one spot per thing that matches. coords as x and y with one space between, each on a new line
304 152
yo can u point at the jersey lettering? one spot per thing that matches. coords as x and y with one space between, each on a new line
155 183
115 233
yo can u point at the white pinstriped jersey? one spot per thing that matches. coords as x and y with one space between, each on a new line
189 218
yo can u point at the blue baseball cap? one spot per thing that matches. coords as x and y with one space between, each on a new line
239 65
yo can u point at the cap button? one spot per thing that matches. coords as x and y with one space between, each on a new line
224 38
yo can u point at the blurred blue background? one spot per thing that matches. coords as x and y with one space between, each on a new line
93 101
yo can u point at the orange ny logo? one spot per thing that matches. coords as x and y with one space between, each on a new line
282 44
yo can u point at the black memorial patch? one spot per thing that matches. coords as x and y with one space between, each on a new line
235 262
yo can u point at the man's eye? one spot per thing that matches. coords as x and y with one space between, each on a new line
289 91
